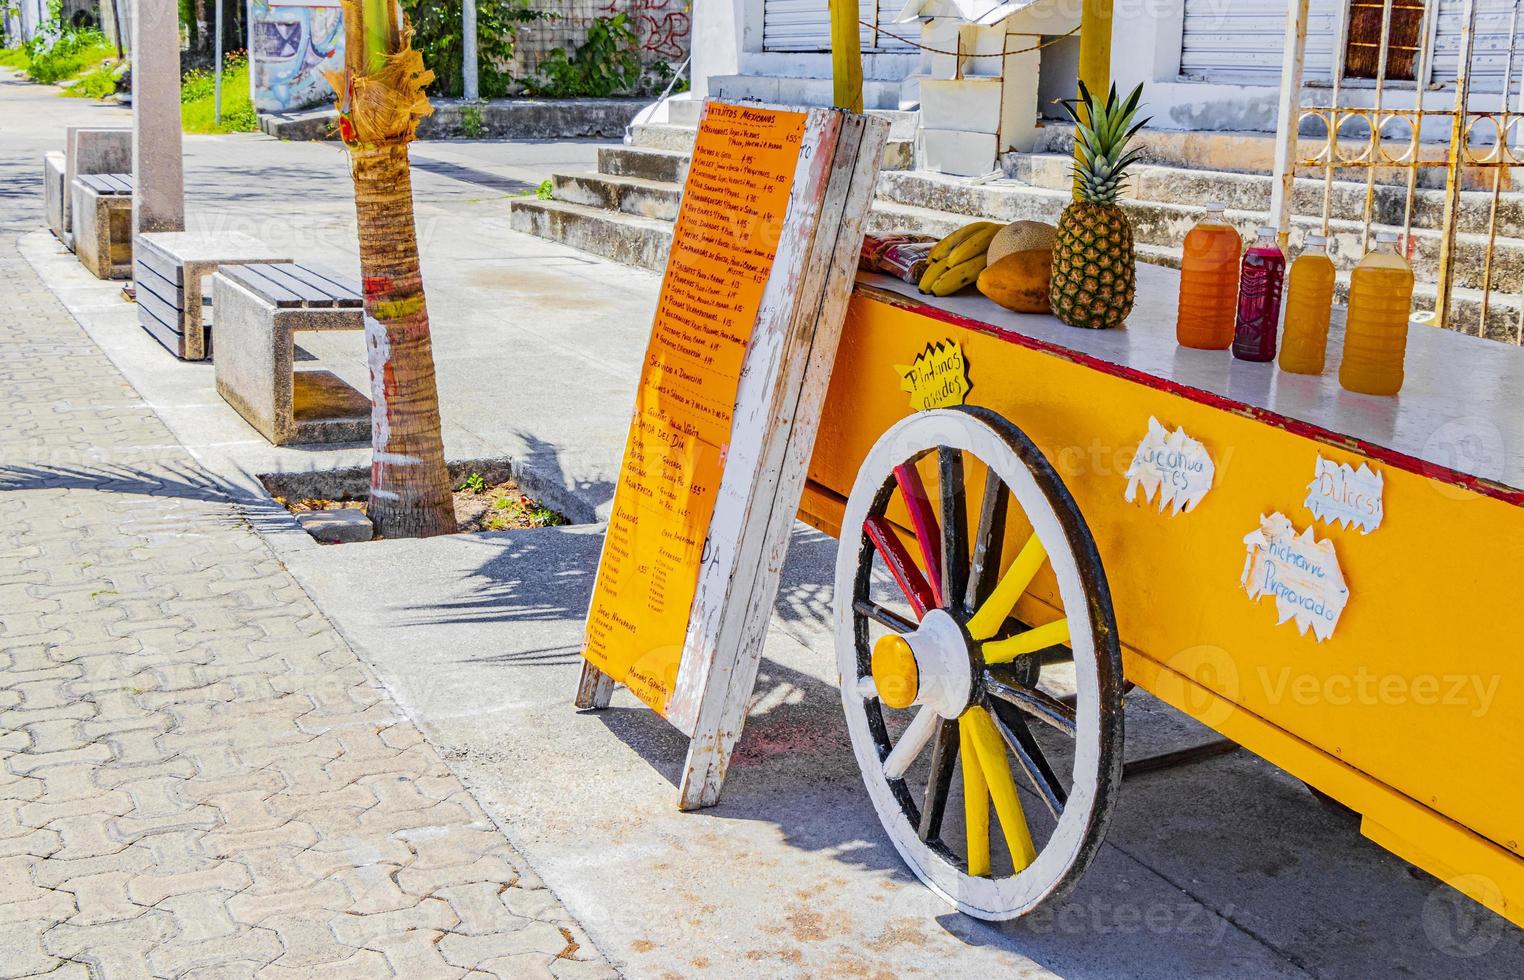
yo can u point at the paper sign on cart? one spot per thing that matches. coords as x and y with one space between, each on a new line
1341 494
1171 466
1300 571
937 378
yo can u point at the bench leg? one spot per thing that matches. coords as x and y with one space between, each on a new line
250 373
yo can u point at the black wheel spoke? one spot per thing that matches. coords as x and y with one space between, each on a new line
1039 704
944 753
887 618
1029 755
954 526
985 571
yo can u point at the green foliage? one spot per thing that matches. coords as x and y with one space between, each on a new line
475 483
58 55
471 121
605 64
198 105
546 190
13 58
97 84
437 36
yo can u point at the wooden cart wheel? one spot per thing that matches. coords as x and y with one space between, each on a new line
939 678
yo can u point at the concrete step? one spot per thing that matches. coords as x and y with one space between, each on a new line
1166 224
668 166
626 238
1251 192
654 199
899 153
877 93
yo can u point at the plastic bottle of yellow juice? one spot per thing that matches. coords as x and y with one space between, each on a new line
1209 282
1376 335
1309 301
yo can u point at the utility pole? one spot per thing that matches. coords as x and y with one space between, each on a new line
217 79
468 49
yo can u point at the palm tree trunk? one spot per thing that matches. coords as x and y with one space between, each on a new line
381 99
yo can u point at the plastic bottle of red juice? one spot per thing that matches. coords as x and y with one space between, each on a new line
1259 299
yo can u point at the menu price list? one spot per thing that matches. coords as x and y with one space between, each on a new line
726 237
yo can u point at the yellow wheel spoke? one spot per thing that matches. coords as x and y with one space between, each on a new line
1047 635
976 802
992 615
1001 787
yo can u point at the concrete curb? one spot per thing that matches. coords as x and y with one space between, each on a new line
499 118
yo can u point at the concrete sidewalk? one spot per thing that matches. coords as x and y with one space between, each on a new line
1228 869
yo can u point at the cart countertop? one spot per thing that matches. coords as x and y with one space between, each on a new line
1459 417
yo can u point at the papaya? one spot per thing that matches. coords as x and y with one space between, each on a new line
1020 280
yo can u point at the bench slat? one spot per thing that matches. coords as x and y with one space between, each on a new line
328 282
151 281
95 183
122 182
152 308
257 280
150 255
310 294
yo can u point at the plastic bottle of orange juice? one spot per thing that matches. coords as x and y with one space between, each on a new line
1309 301
1376 335
1209 282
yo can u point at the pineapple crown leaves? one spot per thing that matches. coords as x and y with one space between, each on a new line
1101 134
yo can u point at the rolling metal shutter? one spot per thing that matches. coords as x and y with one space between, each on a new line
1242 40
805 25
1489 45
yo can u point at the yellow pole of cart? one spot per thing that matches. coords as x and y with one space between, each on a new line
847 56
1094 53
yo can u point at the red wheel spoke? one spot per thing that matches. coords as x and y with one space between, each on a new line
906 575
924 522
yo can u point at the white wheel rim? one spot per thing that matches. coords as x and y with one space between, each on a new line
985 898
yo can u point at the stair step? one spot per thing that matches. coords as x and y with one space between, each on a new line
899 154
633 161
633 195
877 93
626 238
1251 192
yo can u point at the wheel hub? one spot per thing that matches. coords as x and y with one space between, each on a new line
931 666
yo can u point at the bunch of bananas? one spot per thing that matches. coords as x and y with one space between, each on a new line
958 259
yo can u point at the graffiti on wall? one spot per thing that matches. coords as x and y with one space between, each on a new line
662 29
292 42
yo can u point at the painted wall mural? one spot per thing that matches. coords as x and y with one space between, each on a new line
292 43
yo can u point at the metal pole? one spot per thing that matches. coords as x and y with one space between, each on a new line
1094 55
1340 56
468 49
846 56
1289 120
1456 163
217 80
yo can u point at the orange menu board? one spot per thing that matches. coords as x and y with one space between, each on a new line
723 246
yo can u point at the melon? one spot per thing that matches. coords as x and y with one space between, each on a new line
1019 281
1019 236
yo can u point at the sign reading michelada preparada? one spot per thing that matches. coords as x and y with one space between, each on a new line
723 247
764 253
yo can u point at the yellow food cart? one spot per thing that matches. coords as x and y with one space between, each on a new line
1007 573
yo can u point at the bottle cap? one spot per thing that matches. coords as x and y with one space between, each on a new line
1267 232
1316 241
1386 236
1216 206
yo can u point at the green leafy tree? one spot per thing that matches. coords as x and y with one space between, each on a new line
437 36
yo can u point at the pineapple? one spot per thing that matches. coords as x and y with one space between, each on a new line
1094 270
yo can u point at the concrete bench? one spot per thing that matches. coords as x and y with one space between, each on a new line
87 150
168 271
102 215
258 308
54 190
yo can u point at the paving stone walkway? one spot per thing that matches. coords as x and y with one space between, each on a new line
198 778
